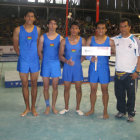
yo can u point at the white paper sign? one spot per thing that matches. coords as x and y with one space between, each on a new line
96 51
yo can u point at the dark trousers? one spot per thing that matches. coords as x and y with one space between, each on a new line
122 88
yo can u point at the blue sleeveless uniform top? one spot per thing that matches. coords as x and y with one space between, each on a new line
101 59
28 45
73 51
51 48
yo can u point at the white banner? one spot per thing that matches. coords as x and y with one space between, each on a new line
96 51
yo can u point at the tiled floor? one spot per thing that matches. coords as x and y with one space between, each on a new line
62 127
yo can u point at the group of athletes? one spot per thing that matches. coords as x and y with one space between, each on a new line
52 48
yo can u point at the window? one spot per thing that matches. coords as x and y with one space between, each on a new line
41 1
115 4
73 2
51 1
64 1
31 0
76 2
58 1
121 3
107 2
128 4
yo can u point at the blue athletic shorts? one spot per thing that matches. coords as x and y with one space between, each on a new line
26 67
51 69
102 75
72 73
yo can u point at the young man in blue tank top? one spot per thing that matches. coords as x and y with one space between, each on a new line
25 39
72 71
102 74
49 44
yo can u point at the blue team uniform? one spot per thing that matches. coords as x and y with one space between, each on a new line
28 60
102 75
50 64
73 73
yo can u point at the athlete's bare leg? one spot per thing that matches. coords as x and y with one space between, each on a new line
67 86
46 92
25 92
93 97
34 77
105 98
78 94
54 94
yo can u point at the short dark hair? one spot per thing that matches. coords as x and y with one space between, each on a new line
100 22
126 20
75 23
50 19
30 11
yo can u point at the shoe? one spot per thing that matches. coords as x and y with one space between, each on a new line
63 111
130 118
119 115
80 112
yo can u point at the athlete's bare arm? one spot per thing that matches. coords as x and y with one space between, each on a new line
61 38
83 44
88 41
88 44
61 54
39 32
136 75
112 45
61 51
16 40
40 47
138 64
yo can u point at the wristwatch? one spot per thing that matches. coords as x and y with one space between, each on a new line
137 72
